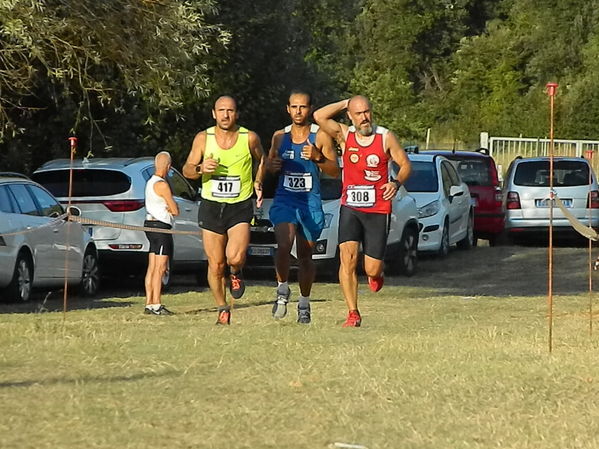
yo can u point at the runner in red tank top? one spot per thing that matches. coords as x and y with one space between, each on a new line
367 193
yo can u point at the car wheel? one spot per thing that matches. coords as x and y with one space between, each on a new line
444 247
90 275
407 257
468 241
20 286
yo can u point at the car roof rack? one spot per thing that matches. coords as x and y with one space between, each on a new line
13 174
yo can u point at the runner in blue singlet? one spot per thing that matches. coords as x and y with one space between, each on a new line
298 152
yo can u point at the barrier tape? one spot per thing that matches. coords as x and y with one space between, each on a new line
580 227
108 224
89 221
36 228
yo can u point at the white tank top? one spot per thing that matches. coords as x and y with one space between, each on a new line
156 206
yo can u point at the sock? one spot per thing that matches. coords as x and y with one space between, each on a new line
304 302
283 286
155 306
224 308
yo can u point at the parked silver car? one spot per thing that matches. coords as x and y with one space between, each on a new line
35 240
526 194
113 190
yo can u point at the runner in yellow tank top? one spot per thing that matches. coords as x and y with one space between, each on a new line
223 156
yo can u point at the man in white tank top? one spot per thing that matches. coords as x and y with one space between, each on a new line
160 209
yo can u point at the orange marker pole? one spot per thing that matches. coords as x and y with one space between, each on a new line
551 89
73 142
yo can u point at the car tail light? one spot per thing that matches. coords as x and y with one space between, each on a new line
123 205
498 196
593 201
513 201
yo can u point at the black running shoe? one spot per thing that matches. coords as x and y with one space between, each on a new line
236 285
303 315
160 311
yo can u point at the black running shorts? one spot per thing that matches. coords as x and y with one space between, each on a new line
368 228
220 217
161 243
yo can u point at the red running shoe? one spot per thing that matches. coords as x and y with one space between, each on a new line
236 285
376 284
224 317
353 319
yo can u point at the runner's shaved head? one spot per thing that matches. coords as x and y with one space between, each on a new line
360 100
225 99
162 160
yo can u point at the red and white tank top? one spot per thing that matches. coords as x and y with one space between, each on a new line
365 170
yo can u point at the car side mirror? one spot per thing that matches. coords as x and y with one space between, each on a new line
456 191
74 211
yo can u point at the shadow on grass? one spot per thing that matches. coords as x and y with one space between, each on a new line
502 271
238 306
88 379
53 301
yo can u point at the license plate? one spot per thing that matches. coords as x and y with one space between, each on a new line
260 251
545 203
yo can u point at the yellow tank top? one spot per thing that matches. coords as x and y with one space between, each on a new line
232 180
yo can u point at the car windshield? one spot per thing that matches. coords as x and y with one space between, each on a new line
88 182
473 171
423 178
565 174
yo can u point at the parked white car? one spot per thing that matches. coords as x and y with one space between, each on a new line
34 243
526 195
113 190
445 209
402 242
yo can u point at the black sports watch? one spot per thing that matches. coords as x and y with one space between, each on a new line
321 159
397 183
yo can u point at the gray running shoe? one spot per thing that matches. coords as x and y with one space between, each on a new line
303 315
279 308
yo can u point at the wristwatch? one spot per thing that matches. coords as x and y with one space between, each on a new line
397 183
321 159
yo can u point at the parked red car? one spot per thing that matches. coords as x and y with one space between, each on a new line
478 170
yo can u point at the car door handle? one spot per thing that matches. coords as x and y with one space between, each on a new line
187 209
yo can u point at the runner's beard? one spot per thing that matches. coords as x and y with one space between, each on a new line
365 131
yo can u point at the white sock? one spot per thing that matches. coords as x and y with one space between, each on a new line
304 302
153 306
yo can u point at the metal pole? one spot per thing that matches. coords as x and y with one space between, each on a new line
73 142
589 156
551 88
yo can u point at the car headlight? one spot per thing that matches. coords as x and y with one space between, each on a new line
328 218
429 210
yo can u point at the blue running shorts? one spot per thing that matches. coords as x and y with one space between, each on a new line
309 222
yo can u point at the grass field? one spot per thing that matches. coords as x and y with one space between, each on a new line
454 357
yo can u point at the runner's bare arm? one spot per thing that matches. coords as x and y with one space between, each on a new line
258 155
324 118
273 161
400 157
192 169
162 189
326 145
